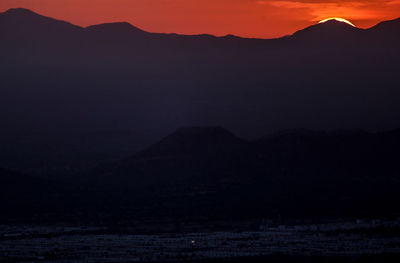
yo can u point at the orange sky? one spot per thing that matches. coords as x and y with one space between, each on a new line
249 18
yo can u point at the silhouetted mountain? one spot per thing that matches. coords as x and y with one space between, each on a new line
115 28
59 81
330 32
207 172
195 141
116 33
22 28
385 33
297 173
192 159
391 27
25 20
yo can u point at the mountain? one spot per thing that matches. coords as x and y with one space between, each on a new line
297 173
61 81
331 32
116 34
20 22
23 28
115 28
209 173
385 32
196 140
390 27
192 159
24 20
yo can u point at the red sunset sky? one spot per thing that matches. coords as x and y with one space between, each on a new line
248 18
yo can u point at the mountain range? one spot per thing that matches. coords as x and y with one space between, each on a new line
62 81
77 103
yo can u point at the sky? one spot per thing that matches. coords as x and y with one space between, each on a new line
246 18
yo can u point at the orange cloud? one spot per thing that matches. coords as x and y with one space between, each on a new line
353 10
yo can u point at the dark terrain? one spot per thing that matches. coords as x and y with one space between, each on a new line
72 98
79 105
289 131
207 173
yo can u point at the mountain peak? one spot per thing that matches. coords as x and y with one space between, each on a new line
201 135
28 22
19 11
115 27
327 31
202 130
330 25
196 140
337 19
333 22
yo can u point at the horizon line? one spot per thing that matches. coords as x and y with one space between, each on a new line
180 34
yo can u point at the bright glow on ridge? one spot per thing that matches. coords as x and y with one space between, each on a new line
337 19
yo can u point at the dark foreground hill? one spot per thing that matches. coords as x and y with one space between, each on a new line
209 173
298 173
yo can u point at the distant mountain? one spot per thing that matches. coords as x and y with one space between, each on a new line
391 27
21 24
328 33
385 32
196 140
115 28
61 80
23 28
24 19
196 158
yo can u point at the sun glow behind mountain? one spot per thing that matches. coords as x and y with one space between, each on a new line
337 19
246 18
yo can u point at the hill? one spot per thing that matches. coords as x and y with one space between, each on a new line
294 173
209 173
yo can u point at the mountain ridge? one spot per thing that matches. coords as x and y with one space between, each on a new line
328 31
61 81
27 16
118 25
